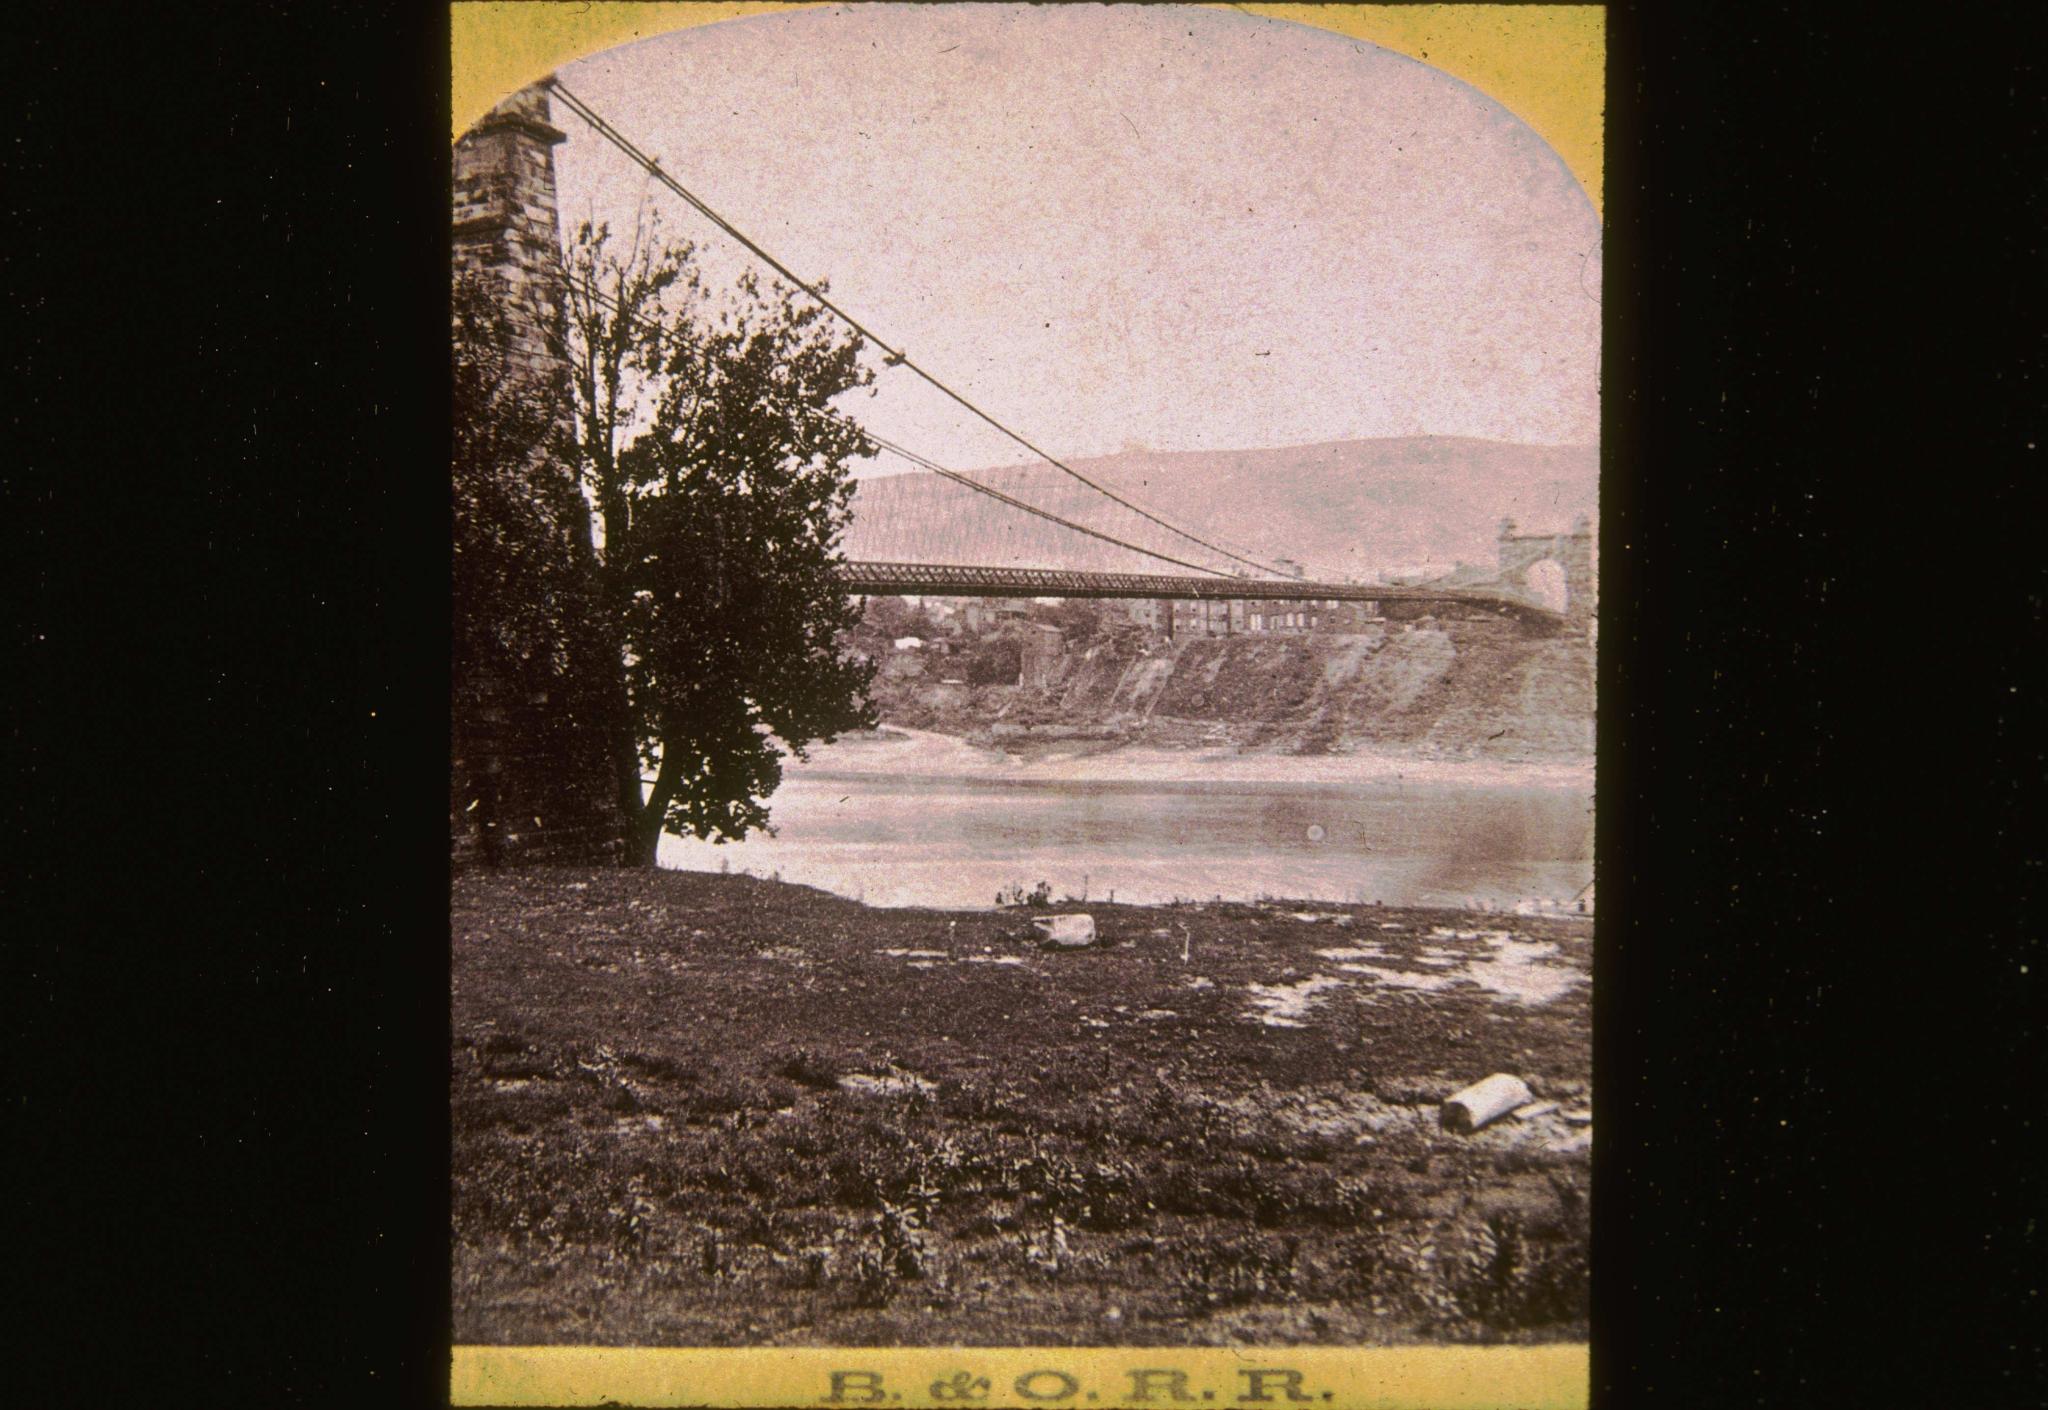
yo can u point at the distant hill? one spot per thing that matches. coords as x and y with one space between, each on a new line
1342 508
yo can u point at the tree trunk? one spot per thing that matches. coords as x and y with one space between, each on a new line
625 747
644 822
643 840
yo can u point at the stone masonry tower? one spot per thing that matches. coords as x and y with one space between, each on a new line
531 777
1572 552
504 218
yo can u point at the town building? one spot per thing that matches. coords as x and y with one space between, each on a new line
1153 614
1204 617
1043 647
1348 616
981 613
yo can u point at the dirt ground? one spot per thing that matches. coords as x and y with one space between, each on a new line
705 1110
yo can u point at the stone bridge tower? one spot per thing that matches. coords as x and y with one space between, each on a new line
531 776
1572 552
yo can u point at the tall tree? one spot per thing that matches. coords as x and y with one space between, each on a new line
516 519
523 618
719 476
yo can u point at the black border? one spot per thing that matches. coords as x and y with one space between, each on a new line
1818 807
1819 778
226 991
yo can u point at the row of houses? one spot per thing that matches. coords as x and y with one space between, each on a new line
1238 618
1179 617
1170 617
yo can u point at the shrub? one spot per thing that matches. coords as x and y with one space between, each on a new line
659 1068
869 1259
852 1177
1231 1272
1509 1281
720 1099
1313 1196
807 1068
998 661
507 1057
1039 895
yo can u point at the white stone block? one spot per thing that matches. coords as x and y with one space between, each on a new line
1067 932
1485 1101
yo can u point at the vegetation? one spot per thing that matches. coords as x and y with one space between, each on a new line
718 478
1016 895
712 1110
997 659
1079 619
518 588
884 619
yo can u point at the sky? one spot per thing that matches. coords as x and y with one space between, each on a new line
1121 227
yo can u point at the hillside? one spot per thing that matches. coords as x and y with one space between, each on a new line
1343 508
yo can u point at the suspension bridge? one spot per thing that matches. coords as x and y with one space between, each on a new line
959 580
1105 545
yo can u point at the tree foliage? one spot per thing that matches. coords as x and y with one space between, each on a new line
886 618
516 584
1079 619
719 477
994 660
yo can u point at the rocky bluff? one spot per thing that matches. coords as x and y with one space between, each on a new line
1445 689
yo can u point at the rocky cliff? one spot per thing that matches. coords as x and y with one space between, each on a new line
1453 689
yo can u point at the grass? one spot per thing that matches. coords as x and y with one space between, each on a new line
656 1141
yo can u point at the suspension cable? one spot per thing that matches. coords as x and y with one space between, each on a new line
923 462
1015 503
892 355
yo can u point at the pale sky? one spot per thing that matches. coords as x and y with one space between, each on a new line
1124 226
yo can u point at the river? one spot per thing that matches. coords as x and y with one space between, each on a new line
909 818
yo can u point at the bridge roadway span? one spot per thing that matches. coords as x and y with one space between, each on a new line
958 580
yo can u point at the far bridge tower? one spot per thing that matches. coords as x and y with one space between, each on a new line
1571 552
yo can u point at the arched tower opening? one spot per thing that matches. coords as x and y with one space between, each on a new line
1547 584
1554 569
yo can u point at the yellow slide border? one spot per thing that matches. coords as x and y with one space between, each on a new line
1546 64
1027 1378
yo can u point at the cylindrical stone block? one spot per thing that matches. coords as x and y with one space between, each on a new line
1485 1101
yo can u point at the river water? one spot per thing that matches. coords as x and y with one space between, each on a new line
913 819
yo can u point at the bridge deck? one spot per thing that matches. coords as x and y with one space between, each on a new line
960 580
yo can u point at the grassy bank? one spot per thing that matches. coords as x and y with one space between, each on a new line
708 1110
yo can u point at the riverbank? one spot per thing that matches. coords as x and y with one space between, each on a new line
899 749
701 1110
1425 693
